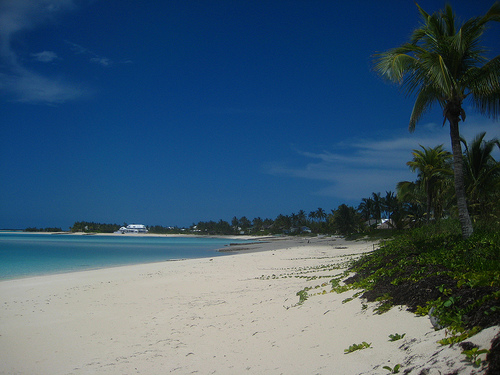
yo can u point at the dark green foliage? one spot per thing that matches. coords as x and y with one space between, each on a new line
32 229
211 227
482 177
346 220
434 266
158 229
91 227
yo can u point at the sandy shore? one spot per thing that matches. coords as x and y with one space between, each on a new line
227 315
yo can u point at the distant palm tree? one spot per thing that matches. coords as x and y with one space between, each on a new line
321 214
366 208
432 167
346 220
394 210
445 64
482 173
413 199
302 217
257 224
377 206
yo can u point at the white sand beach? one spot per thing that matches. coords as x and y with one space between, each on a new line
223 315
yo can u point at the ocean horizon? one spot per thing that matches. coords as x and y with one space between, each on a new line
36 254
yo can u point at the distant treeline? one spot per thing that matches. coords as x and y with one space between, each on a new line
43 229
158 229
430 198
91 227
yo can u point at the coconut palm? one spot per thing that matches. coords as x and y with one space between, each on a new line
443 63
413 199
366 208
377 206
302 218
432 167
482 177
394 210
321 214
346 220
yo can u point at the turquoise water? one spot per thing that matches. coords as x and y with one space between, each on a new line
30 254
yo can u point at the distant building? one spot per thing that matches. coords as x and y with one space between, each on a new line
380 224
133 228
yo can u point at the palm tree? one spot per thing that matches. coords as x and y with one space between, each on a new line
394 210
321 214
377 207
235 224
412 197
366 208
346 220
301 216
482 177
444 63
313 215
282 222
432 167
257 224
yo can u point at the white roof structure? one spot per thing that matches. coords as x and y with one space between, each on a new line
136 226
133 228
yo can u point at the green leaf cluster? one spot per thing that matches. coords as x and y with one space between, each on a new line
396 337
354 347
473 354
393 370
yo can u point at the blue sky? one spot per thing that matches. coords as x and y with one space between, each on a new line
172 112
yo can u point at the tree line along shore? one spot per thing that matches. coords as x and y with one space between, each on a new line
430 198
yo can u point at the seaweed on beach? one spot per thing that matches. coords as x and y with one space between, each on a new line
428 270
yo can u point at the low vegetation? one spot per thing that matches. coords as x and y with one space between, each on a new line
433 267
392 370
354 347
434 271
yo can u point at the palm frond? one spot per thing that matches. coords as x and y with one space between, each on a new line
493 14
449 19
484 86
423 13
425 99
395 63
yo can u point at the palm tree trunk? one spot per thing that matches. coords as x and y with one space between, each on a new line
458 169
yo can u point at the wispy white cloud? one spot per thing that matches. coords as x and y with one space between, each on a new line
16 81
91 55
45 56
104 61
353 170
18 15
31 87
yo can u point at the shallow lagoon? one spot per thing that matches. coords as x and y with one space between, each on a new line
32 254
